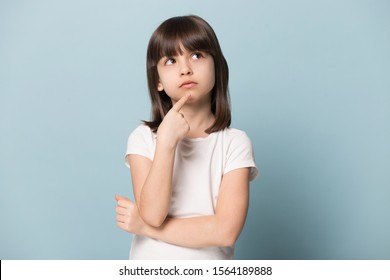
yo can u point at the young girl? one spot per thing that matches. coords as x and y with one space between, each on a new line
190 171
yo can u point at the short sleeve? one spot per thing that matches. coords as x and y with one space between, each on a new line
240 154
140 142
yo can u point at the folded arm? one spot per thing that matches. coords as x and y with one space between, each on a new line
221 229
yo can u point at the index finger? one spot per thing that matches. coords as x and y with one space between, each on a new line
124 203
179 104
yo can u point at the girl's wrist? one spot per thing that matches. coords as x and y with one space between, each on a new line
166 144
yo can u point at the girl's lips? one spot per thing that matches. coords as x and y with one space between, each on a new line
188 84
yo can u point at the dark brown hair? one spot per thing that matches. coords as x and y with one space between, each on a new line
194 34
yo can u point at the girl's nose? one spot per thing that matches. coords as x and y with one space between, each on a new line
185 69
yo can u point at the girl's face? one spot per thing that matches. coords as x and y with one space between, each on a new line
189 72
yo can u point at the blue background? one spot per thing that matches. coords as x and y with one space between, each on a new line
310 84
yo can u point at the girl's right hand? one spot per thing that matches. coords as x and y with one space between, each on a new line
127 216
174 126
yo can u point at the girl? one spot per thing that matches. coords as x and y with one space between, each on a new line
190 171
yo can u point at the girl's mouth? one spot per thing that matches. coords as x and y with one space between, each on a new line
188 84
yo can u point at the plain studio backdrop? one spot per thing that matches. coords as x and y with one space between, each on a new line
309 83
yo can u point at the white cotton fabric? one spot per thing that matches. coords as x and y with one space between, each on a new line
199 166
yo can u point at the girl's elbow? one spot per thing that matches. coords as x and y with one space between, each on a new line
228 236
228 240
153 220
154 223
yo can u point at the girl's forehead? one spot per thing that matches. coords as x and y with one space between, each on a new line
176 43
178 49
174 50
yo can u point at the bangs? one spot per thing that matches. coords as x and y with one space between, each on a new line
178 33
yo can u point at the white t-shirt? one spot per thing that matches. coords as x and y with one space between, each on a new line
199 166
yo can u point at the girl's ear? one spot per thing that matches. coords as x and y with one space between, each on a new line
160 86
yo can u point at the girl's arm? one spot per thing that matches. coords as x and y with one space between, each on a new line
221 229
152 181
152 184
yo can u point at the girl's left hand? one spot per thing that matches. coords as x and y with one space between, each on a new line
127 216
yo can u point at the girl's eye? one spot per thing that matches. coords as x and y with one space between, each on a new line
169 61
197 55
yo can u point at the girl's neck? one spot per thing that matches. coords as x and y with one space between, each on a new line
199 119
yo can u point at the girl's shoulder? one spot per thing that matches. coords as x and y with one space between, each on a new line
140 142
142 134
143 130
232 138
232 133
